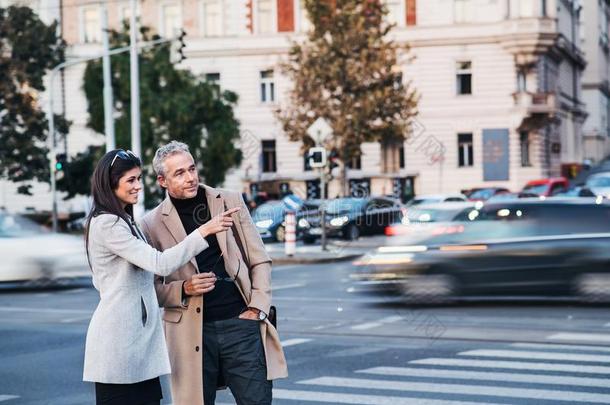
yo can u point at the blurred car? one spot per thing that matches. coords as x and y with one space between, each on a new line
351 217
578 191
424 216
599 184
269 218
521 248
483 194
34 255
512 196
547 187
435 198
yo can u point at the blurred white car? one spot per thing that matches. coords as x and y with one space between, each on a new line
599 184
30 253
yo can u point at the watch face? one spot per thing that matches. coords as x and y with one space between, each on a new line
261 315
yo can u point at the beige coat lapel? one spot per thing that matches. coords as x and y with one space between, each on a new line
172 222
216 203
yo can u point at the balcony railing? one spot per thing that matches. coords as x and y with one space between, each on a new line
536 103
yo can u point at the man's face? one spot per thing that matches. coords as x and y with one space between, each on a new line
180 179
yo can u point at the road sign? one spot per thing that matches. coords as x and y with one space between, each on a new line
320 130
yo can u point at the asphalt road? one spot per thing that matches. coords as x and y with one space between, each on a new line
344 347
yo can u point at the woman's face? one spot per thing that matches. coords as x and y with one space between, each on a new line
129 186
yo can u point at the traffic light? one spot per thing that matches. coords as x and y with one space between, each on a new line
317 157
61 161
177 48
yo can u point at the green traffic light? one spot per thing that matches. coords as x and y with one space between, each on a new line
59 166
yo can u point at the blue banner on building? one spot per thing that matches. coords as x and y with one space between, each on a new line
495 155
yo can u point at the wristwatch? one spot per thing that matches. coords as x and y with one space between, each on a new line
261 315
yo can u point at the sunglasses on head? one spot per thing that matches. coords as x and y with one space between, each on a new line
125 155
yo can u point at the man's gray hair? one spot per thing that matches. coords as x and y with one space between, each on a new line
164 152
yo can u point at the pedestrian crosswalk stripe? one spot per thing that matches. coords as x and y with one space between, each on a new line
489 376
594 358
569 348
514 365
372 325
584 337
461 389
294 342
8 397
361 399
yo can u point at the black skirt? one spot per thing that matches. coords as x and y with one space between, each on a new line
139 393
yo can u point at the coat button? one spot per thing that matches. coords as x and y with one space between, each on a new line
198 310
196 348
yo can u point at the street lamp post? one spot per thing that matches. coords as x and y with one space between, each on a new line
136 144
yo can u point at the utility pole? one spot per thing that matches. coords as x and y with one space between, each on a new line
108 103
136 145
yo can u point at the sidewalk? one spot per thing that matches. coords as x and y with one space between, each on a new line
338 250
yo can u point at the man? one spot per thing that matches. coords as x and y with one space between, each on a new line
216 306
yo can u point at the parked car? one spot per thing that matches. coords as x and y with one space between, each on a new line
512 196
547 187
422 217
269 218
527 248
435 198
484 194
599 184
351 217
577 191
31 254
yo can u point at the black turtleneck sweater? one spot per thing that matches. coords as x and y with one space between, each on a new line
224 301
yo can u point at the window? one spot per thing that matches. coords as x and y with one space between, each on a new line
521 81
395 12
91 26
212 18
265 18
464 78
465 158
524 142
267 86
401 157
269 160
463 11
171 20
213 78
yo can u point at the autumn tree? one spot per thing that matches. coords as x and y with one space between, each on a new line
348 71
28 50
174 103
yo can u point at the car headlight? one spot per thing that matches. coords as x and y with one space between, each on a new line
303 223
264 223
339 221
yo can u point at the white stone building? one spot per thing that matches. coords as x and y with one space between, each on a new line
595 82
500 82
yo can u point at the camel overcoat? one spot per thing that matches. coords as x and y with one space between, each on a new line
183 320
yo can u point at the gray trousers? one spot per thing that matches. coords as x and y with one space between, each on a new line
233 350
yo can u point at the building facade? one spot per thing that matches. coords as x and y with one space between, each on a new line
500 84
596 85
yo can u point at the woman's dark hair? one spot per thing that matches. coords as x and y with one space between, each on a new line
105 180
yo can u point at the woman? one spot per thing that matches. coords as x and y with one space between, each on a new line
125 351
